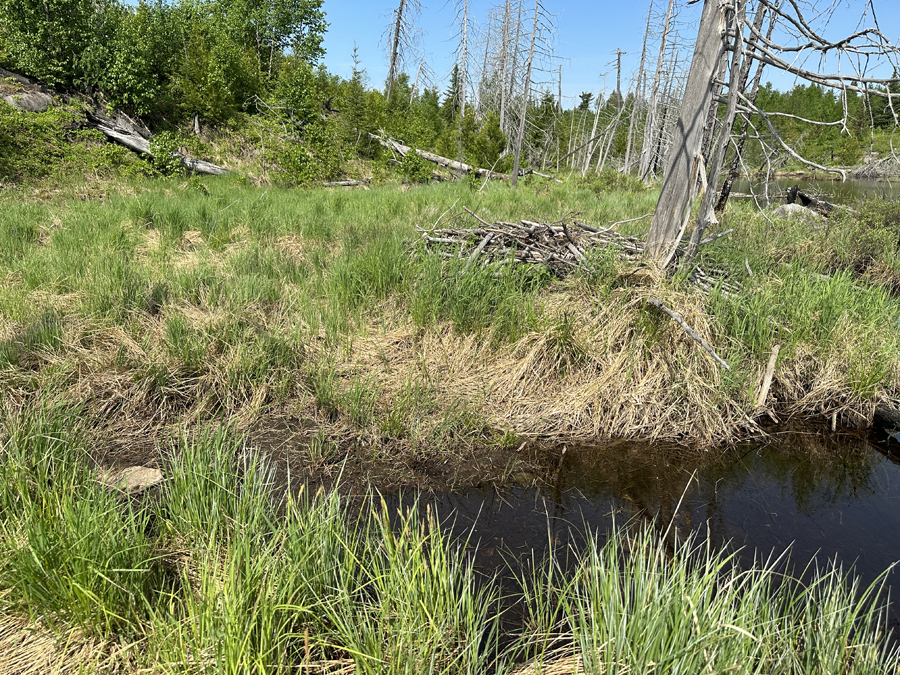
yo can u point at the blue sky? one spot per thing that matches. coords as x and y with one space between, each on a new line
588 34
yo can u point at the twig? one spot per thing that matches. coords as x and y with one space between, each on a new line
445 213
475 216
712 238
687 329
622 222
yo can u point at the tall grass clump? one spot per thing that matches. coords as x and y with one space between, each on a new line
73 552
638 604
498 299
417 605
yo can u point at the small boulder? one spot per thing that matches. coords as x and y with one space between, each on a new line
797 211
32 101
133 479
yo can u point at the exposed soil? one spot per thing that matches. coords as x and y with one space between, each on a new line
354 467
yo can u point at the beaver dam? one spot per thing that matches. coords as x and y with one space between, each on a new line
236 341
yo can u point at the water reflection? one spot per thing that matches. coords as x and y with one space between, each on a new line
837 191
821 494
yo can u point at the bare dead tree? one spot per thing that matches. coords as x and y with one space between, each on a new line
462 52
403 38
638 97
734 169
715 38
651 121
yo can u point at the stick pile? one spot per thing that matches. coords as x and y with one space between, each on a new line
559 246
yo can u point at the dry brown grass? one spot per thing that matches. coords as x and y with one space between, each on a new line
28 649
609 378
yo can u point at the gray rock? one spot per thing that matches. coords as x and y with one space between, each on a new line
797 211
32 101
132 479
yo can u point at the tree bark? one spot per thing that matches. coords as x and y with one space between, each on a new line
706 207
675 198
734 169
141 145
393 64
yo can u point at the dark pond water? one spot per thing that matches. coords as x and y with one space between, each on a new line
835 191
824 495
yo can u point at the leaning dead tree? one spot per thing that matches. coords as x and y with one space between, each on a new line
725 38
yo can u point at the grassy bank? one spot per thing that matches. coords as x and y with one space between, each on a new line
160 304
219 571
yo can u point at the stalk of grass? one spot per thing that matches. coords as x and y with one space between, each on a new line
218 489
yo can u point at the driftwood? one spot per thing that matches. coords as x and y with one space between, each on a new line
687 329
561 247
131 139
767 378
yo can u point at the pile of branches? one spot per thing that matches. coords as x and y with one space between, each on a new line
560 246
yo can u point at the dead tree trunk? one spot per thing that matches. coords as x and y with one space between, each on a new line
706 207
650 123
504 52
638 96
673 207
394 60
734 169
524 114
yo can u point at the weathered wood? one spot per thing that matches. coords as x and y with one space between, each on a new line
451 164
675 196
717 159
767 378
477 252
139 144
687 329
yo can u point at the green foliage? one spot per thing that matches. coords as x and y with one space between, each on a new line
62 42
38 145
164 147
611 180
476 300
73 553
415 168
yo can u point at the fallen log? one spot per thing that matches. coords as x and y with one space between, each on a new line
347 183
137 143
452 164
445 162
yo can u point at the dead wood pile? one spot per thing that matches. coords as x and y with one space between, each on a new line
557 246
561 247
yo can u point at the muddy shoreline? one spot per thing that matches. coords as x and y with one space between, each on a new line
355 467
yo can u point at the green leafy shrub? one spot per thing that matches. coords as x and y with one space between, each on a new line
164 147
610 180
415 168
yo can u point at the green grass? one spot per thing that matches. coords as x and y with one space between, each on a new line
221 572
232 300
